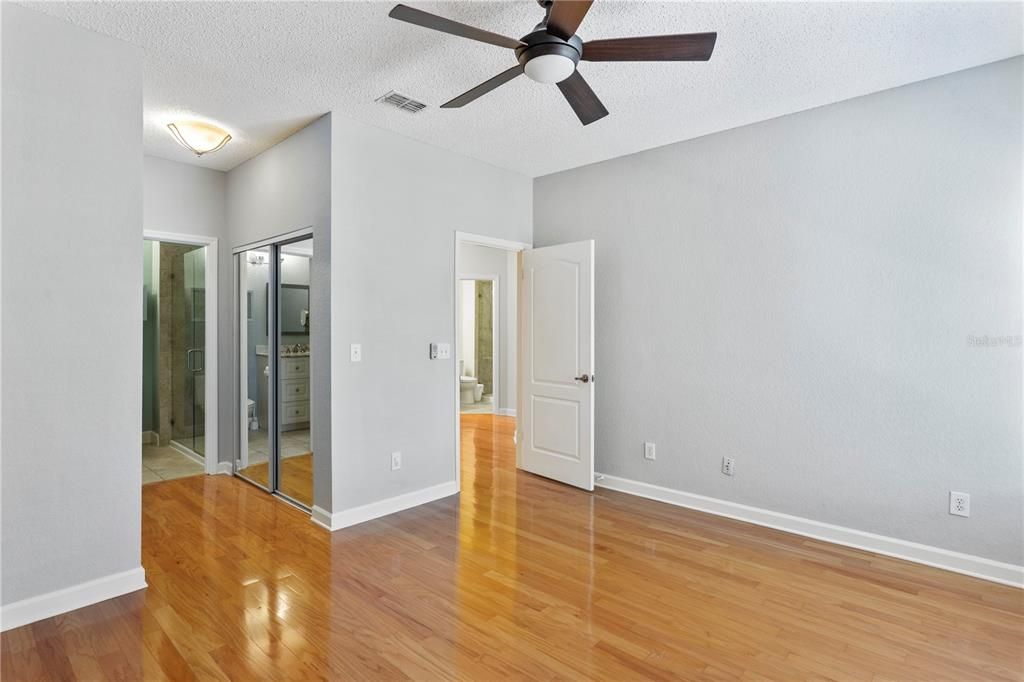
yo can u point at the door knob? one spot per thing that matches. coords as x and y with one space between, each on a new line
584 378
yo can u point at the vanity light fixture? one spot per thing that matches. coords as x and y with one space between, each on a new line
198 137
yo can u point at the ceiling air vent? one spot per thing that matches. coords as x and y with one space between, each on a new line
399 100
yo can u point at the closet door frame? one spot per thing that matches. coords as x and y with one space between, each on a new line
273 359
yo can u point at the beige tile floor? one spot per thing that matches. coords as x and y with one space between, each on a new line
292 443
486 404
163 463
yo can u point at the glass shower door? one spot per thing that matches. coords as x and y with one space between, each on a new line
195 355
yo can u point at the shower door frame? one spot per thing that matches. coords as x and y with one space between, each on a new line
210 451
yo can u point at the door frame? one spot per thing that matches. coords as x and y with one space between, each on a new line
274 244
471 239
211 453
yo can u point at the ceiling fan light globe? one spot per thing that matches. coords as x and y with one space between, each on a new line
549 68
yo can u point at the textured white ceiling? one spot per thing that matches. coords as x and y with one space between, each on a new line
264 70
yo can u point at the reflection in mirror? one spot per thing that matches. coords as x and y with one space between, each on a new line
254 455
296 320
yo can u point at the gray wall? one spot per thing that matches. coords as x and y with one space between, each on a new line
474 260
799 293
71 304
397 204
190 200
286 188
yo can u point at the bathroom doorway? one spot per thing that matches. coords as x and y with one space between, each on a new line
486 309
478 346
275 320
177 343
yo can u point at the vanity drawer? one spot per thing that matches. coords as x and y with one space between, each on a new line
294 367
294 412
294 389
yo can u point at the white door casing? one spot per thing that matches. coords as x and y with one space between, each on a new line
557 364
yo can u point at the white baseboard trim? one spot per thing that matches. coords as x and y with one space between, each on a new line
967 564
57 602
506 412
321 517
224 468
375 510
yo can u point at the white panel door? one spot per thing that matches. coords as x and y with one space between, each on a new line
556 415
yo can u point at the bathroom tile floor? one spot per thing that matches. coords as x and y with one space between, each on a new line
164 463
486 405
293 443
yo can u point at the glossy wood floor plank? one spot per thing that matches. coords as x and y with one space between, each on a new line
518 577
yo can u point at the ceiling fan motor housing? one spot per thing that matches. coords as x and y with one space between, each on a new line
540 43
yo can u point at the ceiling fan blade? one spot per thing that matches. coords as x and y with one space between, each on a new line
482 89
582 99
428 20
684 47
565 17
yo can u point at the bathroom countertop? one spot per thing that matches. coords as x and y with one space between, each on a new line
304 354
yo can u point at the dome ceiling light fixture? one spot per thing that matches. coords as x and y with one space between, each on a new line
199 137
552 51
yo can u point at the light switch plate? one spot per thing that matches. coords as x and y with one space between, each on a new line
357 352
444 351
649 452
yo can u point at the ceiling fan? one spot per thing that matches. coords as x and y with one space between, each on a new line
551 52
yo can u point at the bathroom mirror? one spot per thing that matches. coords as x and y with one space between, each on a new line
294 309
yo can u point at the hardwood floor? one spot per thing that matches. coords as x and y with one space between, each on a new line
516 577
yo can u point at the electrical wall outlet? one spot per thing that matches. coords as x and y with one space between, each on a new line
959 504
728 466
356 352
649 451
396 461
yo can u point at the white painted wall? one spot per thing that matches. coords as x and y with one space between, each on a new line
799 293
286 188
475 260
72 314
294 269
397 204
467 327
183 198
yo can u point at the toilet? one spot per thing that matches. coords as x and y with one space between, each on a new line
250 409
468 390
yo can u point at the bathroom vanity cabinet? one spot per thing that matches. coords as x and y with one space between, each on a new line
294 392
294 371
